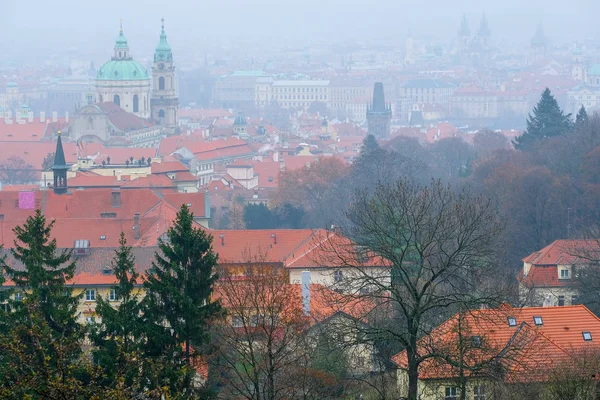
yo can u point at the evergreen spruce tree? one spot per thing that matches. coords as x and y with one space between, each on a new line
581 119
43 280
369 145
547 120
41 351
178 304
118 335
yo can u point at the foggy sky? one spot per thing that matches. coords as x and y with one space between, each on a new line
43 25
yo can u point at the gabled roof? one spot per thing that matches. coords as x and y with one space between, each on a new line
527 350
564 252
169 166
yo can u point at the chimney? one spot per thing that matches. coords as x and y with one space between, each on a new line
119 176
54 116
136 226
42 116
275 156
306 292
115 198
30 116
67 116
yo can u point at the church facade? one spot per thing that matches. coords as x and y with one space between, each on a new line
131 107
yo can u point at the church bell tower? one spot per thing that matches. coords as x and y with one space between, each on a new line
164 87
60 168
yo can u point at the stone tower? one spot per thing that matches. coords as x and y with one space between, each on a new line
484 32
164 102
379 114
60 168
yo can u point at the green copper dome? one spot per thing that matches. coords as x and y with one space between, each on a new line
122 70
163 50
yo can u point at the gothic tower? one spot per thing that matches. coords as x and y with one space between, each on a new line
484 32
60 168
164 88
379 115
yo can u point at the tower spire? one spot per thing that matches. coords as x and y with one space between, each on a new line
60 167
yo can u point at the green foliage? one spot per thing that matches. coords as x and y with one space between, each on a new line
119 334
40 345
178 305
45 275
581 119
259 216
547 120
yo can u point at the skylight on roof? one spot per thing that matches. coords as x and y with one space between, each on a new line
587 336
538 320
512 321
476 341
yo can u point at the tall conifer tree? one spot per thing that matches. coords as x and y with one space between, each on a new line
547 120
179 286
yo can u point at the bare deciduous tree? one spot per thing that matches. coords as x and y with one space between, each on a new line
441 250
15 170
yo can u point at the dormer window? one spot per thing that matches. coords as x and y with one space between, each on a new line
512 321
587 336
476 341
565 274
538 320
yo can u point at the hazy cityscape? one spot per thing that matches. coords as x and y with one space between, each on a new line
299 200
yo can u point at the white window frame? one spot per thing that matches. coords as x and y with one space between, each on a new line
450 393
338 276
479 392
18 296
112 295
90 294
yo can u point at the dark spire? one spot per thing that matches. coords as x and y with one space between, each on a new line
59 169
464 27
378 104
484 28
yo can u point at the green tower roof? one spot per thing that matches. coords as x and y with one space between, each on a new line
59 156
163 50
121 42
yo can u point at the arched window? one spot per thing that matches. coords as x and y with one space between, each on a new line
119 54
117 100
161 113
136 103
161 83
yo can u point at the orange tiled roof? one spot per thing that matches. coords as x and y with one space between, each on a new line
563 252
528 350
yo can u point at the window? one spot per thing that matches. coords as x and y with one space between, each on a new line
112 295
450 393
237 321
161 83
338 276
136 103
90 320
561 301
161 113
538 320
573 300
478 392
117 100
564 274
587 336
18 296
90 295
512 321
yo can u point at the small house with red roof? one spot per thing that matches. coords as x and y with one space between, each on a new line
495 350
548 275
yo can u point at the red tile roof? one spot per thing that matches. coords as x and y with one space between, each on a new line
170 166
26 132
194 201
529 351
563 252
121 119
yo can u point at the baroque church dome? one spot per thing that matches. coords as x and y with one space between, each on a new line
122 67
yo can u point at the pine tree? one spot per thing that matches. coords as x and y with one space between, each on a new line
369 145
44 278
41 351
179 287
582 118
117 336
547 120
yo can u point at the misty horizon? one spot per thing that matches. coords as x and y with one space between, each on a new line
265 25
